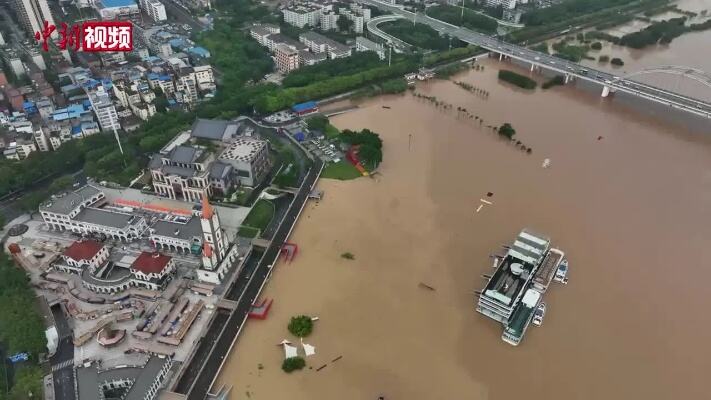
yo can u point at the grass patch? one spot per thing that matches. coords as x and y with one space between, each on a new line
342 170
257 219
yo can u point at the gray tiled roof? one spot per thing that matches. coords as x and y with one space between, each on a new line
67 202
219 170
105 218
213 129
89 379
184 154
178 231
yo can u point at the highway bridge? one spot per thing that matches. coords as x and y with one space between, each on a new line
610 83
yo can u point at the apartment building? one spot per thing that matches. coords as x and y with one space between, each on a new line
302 15
287 58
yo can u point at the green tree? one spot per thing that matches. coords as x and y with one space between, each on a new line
27 384
344 24
292 364
507 130
617 61
301 326
61 183
317 122
370 155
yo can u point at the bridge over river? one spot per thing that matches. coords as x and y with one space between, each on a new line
609 82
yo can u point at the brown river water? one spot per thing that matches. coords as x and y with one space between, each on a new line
631 211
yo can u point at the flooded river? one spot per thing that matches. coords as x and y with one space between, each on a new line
631 210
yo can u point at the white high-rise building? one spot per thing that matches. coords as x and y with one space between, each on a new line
303 15
104 109
32 14
155 9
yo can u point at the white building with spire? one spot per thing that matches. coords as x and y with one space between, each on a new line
217 256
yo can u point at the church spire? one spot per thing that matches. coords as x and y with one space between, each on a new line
206 208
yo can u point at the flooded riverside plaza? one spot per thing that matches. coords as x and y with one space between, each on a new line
631 211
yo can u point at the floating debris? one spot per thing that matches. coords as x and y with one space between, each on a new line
486 202
479 208
546 163
337 358
489 194
426 286
321 367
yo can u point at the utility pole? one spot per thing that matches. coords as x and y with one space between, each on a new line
390 54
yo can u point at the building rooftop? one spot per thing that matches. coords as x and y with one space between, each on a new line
83 250
118 3
243 149
106 218
176 230
219 170
151 263
517 268
214 129
65 203
89 379
184 154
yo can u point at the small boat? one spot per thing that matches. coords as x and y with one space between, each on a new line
562 271
539 314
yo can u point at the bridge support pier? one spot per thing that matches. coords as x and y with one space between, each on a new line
533 67
501 56
605 91
567 78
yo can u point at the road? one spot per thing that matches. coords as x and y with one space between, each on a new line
609 81
11 207
63 360
203 381
181 15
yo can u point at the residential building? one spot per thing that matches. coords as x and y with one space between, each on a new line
308 58
321 44
365 44
155 9
42 139
249 157
104 109
302 15
506 4
12 60
329 21
260 32
187 85
118 10
287 58
32 14
204 77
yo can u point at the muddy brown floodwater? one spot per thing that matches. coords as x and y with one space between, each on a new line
631 210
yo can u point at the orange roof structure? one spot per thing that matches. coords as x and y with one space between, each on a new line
206 208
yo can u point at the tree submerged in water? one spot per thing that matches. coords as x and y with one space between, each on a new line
292 364
507 130
301 326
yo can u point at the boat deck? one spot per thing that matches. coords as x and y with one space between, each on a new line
545 273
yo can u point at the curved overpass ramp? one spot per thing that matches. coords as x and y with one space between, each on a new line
391 40
609 82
